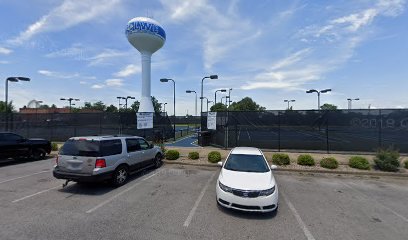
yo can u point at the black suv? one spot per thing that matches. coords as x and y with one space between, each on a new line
16 146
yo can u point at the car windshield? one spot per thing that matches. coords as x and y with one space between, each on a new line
246 163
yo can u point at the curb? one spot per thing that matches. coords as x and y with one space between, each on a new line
378 174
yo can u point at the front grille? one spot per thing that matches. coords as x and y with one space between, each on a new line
245 193
245 207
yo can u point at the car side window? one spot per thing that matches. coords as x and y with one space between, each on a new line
111 147
132 145
12 137
143 144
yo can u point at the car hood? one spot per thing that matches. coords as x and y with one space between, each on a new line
247 180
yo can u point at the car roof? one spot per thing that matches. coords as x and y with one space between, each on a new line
246 150
107 137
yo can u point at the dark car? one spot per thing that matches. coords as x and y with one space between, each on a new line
15 146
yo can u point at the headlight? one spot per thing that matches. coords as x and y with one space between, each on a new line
224 188
267 192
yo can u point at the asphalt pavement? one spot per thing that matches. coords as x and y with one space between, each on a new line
178 202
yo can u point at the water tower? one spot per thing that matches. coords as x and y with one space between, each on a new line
147 36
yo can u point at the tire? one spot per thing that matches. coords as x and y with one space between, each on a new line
158 160
37 154
120 176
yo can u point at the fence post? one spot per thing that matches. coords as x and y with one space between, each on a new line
236 135
279 131
380 129
100 123
327 132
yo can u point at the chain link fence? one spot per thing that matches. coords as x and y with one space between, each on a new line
338 130
61 126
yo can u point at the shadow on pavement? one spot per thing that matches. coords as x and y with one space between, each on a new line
10 161
100 188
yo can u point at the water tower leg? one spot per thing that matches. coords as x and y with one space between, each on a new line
146 104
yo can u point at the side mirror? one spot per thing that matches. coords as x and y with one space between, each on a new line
274 167
151 146
220 163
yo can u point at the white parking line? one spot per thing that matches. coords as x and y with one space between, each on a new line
35 194
29 175
372 199
193 210
302 225
120 193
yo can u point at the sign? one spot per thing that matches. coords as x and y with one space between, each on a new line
144 120
212 120
145 27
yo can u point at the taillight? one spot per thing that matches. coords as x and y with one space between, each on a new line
100 163
56 160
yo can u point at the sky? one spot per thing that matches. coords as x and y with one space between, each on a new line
268 50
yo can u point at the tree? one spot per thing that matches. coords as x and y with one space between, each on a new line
111 108
218 107
100 106
246 104
10 106
44 106
328 106
156 105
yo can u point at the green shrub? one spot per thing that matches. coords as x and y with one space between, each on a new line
214 157
305 160
54 146
359 163
406 164
329 162
280 159
387 160
162 147
172 154
193 155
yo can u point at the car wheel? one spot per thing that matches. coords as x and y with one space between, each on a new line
38 155
158 160
120 176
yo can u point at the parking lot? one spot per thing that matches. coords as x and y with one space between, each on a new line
178 202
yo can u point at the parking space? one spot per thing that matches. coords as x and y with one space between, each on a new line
178 202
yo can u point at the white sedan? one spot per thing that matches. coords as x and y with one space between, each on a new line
246 182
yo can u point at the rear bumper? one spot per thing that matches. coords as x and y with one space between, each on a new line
78 177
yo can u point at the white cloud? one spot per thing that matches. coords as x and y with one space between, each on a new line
57 74
115 82
105 56
83 83
4 62
66 15
97 86
128 70
215 27
5 51
76 52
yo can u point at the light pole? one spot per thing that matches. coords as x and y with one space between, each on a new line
191 91
70 102
208 101
174 103
229 97
202 83
318 95
164 104
11 79
126 99
289 101
119 103
350 100
215 94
